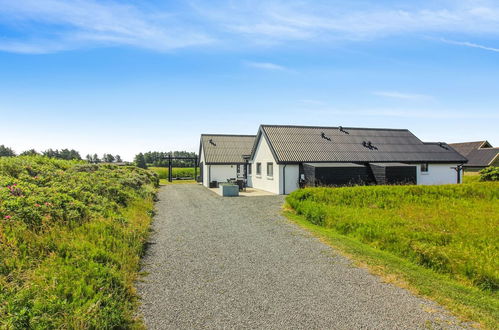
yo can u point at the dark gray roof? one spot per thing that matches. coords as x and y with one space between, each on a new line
482 157
305 144
464 148
479 154
226 149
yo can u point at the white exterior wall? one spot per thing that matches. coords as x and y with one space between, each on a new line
263 155
221 173
204 169
249 182
437 174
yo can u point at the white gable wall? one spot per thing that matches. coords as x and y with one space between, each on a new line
204 169
263 155
437 174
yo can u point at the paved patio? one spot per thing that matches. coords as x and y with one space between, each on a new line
250 192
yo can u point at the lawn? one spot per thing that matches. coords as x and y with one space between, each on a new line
439 240
71 237
177 172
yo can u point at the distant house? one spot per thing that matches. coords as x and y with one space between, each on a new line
224 157
285 158
480 154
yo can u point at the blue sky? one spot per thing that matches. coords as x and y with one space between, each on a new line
129 76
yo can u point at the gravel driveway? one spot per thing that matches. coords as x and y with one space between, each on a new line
218 262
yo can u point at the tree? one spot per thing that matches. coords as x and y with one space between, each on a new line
140 161
108 158
30 152
95 159
118 159
89 158
6 151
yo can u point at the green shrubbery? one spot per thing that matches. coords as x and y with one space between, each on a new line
451 229
71 235
489 174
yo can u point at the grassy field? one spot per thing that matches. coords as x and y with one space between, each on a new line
439 240
470 177
177 172
71 237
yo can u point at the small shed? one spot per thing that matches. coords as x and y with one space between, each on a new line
394 173
336 174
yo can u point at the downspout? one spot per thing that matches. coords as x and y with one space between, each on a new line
209 175
284 179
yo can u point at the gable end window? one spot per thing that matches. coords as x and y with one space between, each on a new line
258 168
270 169
424 168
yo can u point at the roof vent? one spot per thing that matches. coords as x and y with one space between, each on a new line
211 142
342 130
323 135
442 145
369 145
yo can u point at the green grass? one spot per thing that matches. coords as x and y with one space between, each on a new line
470 177
166 182
440 240
71 237
177 172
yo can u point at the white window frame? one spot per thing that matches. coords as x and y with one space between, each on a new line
425 168
270 174
258 169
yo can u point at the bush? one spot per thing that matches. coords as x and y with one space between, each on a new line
71 235
489 174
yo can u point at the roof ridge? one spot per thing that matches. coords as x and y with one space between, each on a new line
337 127
240 135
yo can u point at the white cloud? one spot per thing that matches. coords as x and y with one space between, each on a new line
280 20
54 25
408 113
81 23
266 66
402 96
470 44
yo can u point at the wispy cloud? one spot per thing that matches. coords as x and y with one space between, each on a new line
407 113
40 26
54 25
470 44
266 66
312 102
280 20
402 96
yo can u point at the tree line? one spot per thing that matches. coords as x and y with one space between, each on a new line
67 154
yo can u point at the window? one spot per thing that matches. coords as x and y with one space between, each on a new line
249 169
258 168
270 169
424 168
238 171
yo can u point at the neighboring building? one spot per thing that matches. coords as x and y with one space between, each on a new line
285 158
480 154
222 157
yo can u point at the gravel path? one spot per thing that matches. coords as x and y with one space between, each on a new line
220 262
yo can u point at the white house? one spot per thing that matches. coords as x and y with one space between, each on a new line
284 158
224 157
